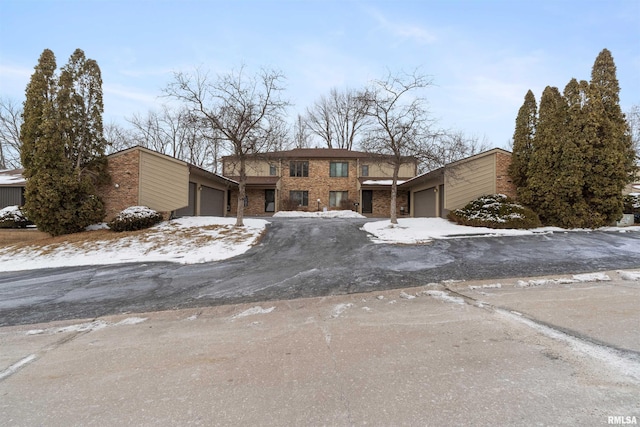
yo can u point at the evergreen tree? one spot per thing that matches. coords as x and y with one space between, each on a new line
570 209
523 146
542 171
40 94
65 156
610 153
81 107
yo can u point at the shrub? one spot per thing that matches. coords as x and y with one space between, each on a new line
347 205
495 211
135 218
13 217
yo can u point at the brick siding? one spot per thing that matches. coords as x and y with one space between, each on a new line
319 183
123 190
504 183
382 203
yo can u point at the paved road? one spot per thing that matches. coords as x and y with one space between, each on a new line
303 258
471 354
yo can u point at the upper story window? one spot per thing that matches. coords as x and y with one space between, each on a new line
339 169
273 171
365 170
297 168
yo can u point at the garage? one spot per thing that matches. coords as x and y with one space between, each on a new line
425 203
211 202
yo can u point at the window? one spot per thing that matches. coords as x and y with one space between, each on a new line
365 170
299 169
301 198
339 169
337 198
272 170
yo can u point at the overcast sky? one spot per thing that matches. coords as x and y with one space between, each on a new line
483 56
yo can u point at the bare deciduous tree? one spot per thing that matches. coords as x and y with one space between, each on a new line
401 123
450 146
245 110
10 122
177 133
301 137
633 119
118 138
338 118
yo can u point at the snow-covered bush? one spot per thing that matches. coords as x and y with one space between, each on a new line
13 217
135 218
495 211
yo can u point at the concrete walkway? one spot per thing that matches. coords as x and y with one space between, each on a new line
545 352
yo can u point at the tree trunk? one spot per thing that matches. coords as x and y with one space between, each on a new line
241 193
394 193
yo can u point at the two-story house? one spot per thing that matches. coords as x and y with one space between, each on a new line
317 179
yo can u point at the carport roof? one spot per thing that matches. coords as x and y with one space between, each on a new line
211 175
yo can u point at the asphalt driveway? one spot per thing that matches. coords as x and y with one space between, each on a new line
303 258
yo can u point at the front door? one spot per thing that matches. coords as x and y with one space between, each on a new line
367 201
269 200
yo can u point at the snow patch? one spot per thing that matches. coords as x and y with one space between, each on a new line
628 367
405 295
339 309
444 296
320 214
576 278
490 286
16 366
131 321
95 325
188 240
253 311
629 275
424 230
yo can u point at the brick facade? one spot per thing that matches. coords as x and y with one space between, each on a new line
382 203
123 191
504 183
319 184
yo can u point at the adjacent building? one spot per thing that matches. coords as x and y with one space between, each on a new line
143 177
452 186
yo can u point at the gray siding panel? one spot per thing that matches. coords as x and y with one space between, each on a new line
11 196
425 203
212 202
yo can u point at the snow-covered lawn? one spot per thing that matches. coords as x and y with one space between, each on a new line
424 230
184 240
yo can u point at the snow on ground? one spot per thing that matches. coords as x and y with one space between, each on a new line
320 214
576 278
423 230
254 311
185 240
95 325
629 275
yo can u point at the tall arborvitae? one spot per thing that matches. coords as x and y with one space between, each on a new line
542 170
523 146
80 95
611 156
570 209
65 148
40 95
